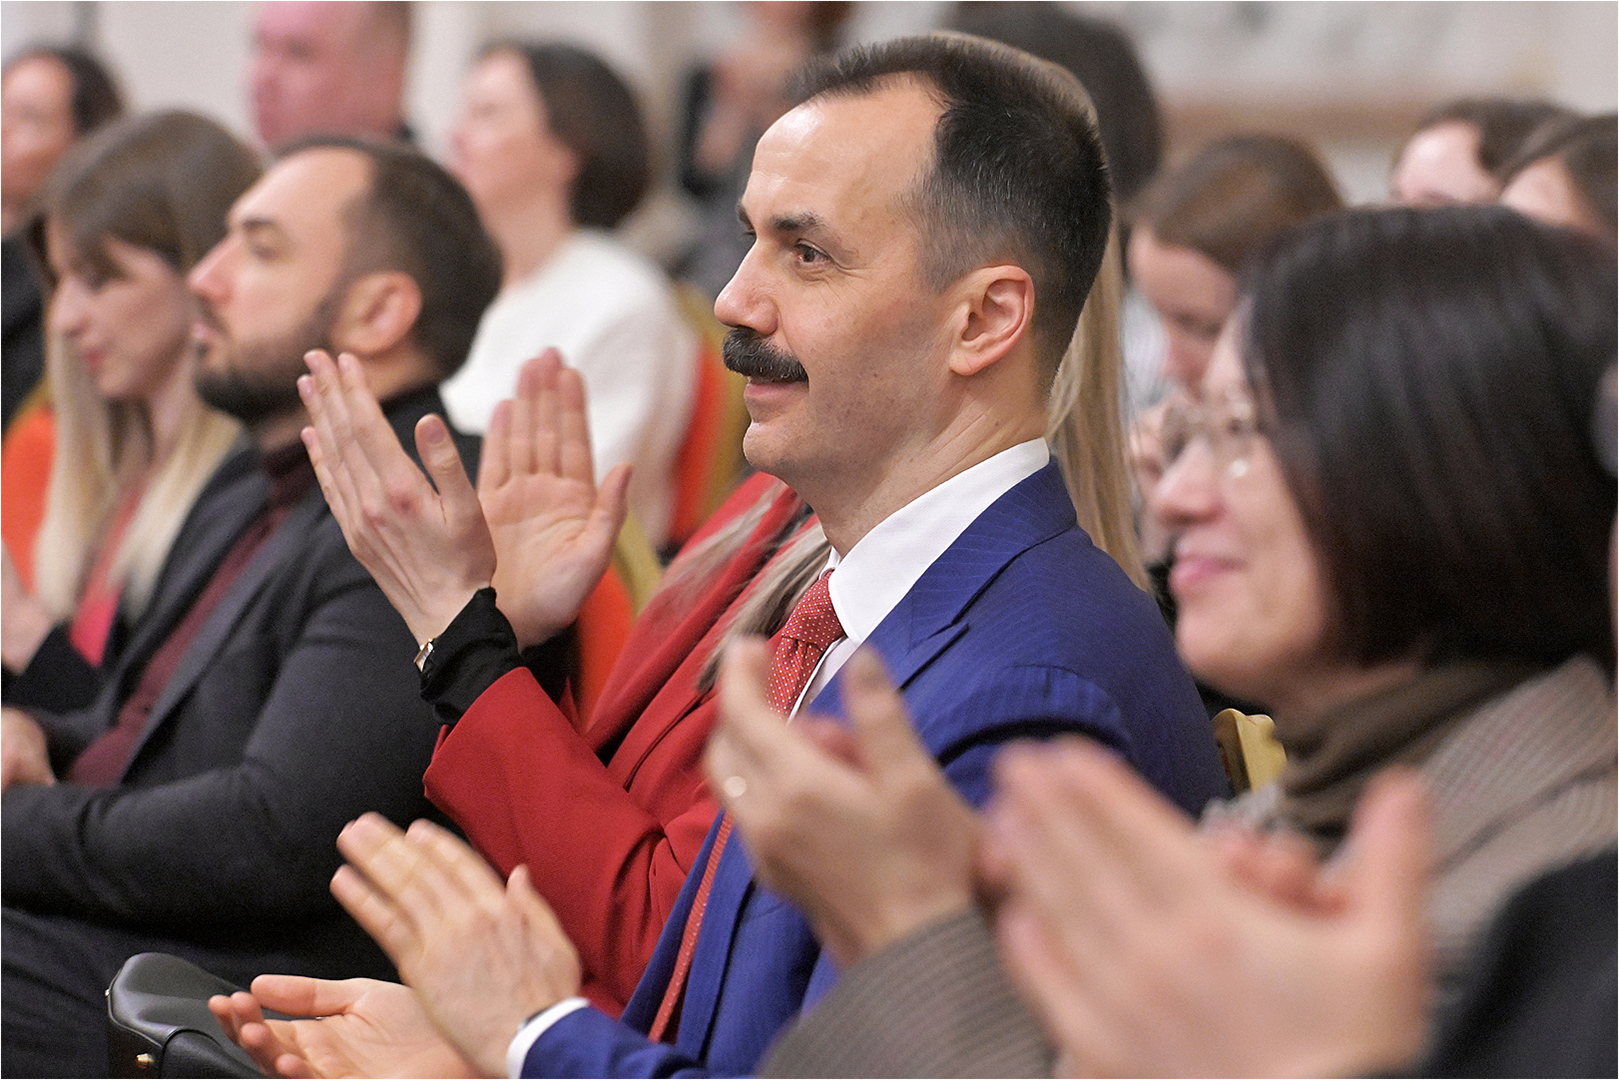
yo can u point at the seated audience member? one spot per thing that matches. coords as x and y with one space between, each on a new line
1567 175
50 97
1459 151
900 367
1194 231
1133 962
126 217
1103 58
268 699
320 67
728 100
551 146
1327 552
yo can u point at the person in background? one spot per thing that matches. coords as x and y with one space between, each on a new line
1327 553
551 146
1194 232
1567 175
321 67
126 217
193 807
1103 58
50 97
729 101
1460 150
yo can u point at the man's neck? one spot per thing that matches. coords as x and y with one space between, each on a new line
852 510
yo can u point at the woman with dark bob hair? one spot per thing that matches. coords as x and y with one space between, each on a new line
1392 530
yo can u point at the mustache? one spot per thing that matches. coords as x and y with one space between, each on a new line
747 353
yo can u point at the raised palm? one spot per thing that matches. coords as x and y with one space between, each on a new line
552 527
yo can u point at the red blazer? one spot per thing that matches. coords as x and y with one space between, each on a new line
609 823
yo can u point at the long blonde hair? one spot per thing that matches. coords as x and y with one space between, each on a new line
162 182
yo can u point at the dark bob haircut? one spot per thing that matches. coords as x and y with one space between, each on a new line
95 100
593 113
417 219
1018 169
1426 378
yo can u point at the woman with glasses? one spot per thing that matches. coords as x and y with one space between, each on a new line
1390 529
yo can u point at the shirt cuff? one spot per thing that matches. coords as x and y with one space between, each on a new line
470 656
533 1028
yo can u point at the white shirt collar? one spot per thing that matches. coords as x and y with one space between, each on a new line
884 564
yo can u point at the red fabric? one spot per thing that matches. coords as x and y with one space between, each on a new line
25 474
811 627
98 605
608 846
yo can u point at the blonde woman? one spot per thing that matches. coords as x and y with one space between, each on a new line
125 216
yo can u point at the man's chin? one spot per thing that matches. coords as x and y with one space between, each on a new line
253 403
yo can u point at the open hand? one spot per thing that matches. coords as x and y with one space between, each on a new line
858 828
553 529
428 550
482 956
24 758
358 1027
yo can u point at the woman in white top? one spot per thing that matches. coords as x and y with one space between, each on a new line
551 146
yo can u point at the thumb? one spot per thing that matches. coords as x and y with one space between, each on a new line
882 727
443 464
299 995
1385 875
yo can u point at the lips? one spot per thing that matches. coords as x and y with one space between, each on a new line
1194 570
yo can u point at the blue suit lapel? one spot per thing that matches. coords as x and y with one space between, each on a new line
929 618
926 621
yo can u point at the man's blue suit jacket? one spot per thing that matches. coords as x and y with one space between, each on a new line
1021 629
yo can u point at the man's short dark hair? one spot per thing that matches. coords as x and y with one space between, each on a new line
417 219
592 112
1426 379
1018 171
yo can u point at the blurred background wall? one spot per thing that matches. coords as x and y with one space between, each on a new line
1352 77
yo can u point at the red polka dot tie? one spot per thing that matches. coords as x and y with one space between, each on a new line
811 628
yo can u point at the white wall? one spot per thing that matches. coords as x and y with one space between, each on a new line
1220 62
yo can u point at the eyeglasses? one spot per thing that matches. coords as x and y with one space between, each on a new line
1228 427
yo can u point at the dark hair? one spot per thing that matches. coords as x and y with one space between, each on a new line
1503 125
417 219
1018 171
1426 378
1236 195
1588 149
592 112
161 181
95 100
1103 58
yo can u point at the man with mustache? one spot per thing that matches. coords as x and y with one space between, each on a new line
927 224
267 697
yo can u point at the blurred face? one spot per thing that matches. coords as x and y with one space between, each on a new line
502 147
270 291
840 338
1544 192
1439 166
1253 603
36 125
129 328
1193 297
322 68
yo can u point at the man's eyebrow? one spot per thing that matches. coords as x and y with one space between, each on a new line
808 221
261 226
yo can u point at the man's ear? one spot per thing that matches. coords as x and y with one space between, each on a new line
996 308
378 312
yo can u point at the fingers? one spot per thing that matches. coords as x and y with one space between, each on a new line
402 887
737 749
300 995
1387 857
882 727
444 466
573 428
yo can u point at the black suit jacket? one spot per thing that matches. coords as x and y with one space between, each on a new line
294 710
